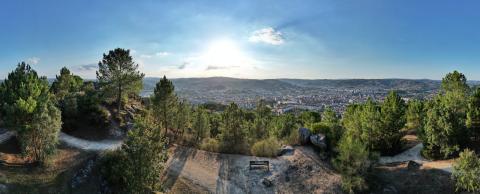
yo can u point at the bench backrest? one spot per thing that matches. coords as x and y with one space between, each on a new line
258 162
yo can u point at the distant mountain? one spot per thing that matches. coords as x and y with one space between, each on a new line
225 83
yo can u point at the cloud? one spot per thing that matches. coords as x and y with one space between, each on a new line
88 67
213 67
267 35
162 54
183 65
33 60
158 54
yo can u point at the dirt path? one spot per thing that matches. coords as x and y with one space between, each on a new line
73 141
298 172
413 154
89 145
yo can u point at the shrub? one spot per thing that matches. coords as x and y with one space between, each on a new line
210 144
293 138
266 148
466 172
353 163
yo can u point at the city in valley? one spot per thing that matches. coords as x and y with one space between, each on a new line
234 97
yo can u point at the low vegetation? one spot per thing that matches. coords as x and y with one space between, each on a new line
466 172
266 148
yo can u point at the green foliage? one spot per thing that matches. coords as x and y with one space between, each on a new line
377 125
445 131
330 126
118 76
66 89
164 103
138 165
308 118
415 114
28 108
466 172
263 117
266 148
215 120
473 114
201 124
283 125
66 84
210 144
353 163
393 112
182 121
232 130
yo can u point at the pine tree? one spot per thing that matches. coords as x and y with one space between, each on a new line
393 112
137 167
263 116
232 131
473 114
66 83
334 129
28 108
415 115
164 103
201 124
118 76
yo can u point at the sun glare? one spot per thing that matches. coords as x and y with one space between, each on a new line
225 53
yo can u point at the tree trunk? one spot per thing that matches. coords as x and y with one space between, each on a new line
119 100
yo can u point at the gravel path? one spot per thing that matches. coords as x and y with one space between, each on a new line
413 154
73 141
89 145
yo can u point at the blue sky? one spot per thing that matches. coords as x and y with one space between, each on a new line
247 39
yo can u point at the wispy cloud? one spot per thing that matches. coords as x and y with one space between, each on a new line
267 35
157 54
162 54
87 67
183 65
213 67
33 60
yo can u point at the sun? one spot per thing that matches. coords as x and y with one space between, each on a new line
225 53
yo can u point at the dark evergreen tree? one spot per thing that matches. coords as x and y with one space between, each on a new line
164 103
28 108
118 76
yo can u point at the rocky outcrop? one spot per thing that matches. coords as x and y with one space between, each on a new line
304 135
319 141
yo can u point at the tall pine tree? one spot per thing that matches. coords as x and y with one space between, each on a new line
28 108
164 103
118 76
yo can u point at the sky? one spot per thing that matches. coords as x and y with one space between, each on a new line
260 39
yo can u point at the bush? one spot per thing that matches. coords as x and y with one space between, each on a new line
266 148
466 172
353 163
210 144
293 138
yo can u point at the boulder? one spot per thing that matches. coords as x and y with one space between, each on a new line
319 140
412 165
267 182
304 135
285 150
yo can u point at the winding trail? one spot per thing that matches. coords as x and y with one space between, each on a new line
413 154
72 141
90 145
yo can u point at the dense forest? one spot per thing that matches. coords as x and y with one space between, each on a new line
448 124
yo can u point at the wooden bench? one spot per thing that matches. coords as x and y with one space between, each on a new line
260 163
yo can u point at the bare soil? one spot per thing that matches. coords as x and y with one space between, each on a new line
194 171
398 178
